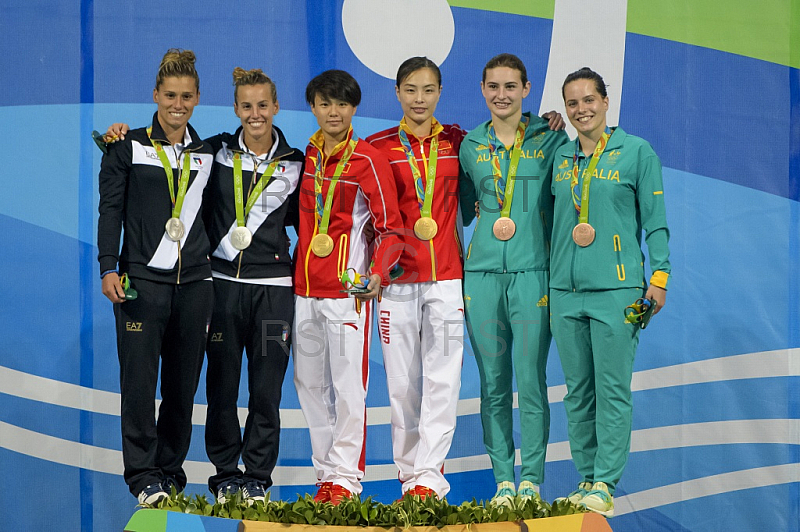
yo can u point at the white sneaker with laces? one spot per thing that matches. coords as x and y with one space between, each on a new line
506 492
152 495
599 500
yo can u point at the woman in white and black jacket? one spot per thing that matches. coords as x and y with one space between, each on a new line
165 256
252 269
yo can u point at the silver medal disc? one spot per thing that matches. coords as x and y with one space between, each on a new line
241 238
175 230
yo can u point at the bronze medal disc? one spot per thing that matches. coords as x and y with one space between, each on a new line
322 245
241 237
504 228
583 234
175 229
426 228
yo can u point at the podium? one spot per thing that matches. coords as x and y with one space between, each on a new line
147 520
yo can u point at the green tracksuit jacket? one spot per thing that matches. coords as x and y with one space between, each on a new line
531 207
625 196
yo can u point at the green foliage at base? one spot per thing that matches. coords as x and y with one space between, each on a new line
409 512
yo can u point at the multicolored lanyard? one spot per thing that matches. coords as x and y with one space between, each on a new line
504 188
584 183
424 189
324 210
241 209
183 183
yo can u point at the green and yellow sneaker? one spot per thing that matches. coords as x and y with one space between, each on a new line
598 500
576 496
528 490
505 494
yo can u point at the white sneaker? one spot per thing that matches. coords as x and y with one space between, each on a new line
506 492
598 500
528 490
152 494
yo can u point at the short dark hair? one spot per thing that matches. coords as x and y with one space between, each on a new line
586 73
334 85
507 60
413 64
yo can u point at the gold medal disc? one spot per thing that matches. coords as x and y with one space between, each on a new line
241 237
322 245
504 228
426 228
175 229
583 234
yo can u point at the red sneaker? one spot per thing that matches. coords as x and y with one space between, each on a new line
337 494
423 492
324 492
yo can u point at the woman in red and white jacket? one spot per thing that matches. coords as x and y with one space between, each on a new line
346 184
420 316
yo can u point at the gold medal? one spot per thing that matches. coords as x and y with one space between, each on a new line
426 228
504 228
583 234
322 245
174 229
241 237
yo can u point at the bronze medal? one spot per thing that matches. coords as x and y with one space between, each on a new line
583 234
241 237
175 229
504 228
322 245
426 228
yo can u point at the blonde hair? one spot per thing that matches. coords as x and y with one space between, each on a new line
255 76
177 63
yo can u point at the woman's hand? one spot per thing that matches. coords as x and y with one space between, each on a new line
116 132
112 288
659 295
554 120
373 288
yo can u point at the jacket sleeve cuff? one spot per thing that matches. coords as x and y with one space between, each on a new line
660 279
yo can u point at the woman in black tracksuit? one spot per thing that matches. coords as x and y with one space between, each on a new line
151 184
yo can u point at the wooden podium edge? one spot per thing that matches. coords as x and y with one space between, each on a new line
150 520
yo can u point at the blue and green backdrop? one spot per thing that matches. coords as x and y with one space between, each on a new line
714 87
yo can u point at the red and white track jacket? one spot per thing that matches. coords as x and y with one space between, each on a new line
365 191
439 259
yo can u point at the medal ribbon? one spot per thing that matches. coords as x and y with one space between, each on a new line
241 209
504 189
583 184
424 190
324 212
183 183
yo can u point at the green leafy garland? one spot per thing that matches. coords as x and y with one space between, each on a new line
406 513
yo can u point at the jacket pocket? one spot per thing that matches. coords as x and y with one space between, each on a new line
620 265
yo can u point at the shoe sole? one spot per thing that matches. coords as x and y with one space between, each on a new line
607 513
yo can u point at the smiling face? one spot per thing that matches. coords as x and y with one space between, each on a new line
418 95
504 91
333 116
176 98
255 108
586 108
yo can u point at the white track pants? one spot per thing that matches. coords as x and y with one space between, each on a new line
331 371
421 328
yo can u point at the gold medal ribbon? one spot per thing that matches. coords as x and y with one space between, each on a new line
324 212
424 194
